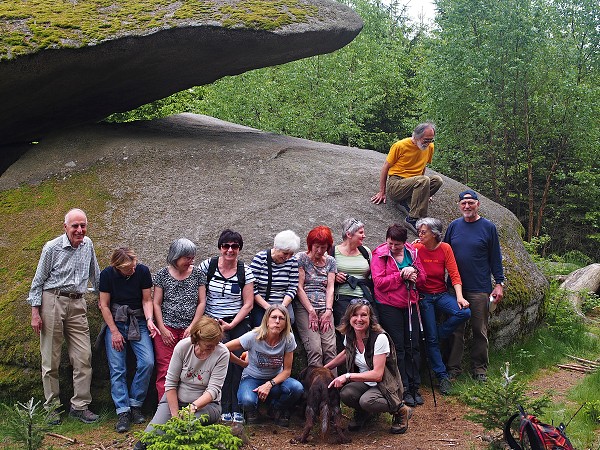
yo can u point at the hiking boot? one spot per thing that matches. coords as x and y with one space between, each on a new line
226 418
238 418
139 445
54 419
480 377
284 418
136 415
404 204
123 423
358 421
409 400
445 386
85 415
418 398
252 417
400 421
453 374
411 223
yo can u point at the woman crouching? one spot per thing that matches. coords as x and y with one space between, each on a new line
267 367
195 376
372 384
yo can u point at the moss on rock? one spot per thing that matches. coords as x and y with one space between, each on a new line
32 25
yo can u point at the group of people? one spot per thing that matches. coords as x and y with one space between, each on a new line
219 334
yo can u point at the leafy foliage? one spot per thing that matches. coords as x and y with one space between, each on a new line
27 423
499 398
187 432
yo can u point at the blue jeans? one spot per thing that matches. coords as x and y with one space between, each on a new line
282 396
123 397
447 304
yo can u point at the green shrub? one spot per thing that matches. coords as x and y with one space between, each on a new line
27 423
187 432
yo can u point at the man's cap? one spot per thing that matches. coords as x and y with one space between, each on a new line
468 194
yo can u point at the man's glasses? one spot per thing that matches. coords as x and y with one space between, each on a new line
233 246
428 141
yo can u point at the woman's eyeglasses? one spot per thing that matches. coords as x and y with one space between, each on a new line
361 301
230 246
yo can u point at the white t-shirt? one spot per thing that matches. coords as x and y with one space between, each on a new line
382 347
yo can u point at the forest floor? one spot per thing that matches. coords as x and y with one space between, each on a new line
430 428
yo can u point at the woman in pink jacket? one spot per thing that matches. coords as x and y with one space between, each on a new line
397 273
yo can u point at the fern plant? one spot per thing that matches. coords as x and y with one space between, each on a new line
187 432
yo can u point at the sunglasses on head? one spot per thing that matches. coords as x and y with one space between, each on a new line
361 301
233 246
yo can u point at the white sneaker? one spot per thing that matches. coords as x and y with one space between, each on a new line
238 418
226 418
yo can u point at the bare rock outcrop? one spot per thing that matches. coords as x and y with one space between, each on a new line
62 87
586 279
192 176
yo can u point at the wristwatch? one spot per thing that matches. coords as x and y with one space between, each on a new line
347 377
272 382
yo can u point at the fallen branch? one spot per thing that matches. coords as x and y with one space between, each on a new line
586 361
576 368
60 436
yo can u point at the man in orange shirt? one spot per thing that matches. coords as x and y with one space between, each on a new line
403 174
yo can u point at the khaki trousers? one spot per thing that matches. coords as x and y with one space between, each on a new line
416 190
320 347
66 319
479 305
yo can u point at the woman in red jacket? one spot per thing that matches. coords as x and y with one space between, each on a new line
397 271
437 258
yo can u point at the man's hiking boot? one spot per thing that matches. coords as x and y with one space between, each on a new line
359 420
123 423
252 417
400 419
136 415
411 223
480 377
284 418
404 204
445 386
139 445
453 374
85 415
54 418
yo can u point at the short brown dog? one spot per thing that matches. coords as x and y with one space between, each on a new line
321 401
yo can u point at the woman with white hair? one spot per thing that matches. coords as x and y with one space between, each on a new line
276 276
179 300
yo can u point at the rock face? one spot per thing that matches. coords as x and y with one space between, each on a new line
586 279
192 176
57 88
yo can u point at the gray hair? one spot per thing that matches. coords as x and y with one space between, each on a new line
180 248
351 225
74 210
435 225
287 240
420 129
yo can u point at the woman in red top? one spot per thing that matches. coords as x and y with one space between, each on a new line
437 258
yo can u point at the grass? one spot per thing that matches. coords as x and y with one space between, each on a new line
33 25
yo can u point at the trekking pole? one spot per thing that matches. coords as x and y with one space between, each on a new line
410 331
425 344
562 426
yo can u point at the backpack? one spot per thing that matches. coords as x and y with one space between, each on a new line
535 435
212 269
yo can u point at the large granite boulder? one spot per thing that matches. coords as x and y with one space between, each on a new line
80 78
148 183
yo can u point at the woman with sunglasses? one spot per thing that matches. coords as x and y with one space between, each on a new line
372 384
195 377
438 258
229 299
179 299
126 306
397 273
276 276
268 367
